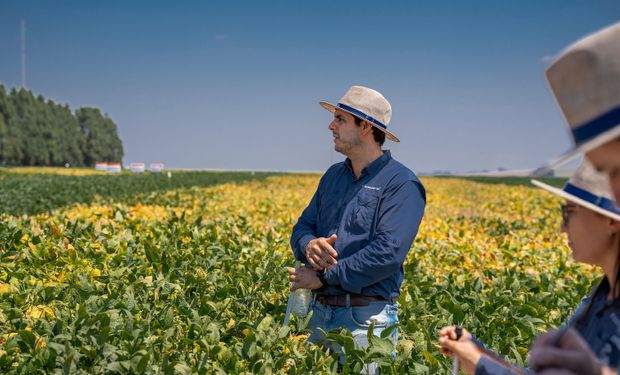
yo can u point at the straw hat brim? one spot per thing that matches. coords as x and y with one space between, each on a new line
330 107
571 154
576 200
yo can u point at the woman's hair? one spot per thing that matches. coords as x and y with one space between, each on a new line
615 289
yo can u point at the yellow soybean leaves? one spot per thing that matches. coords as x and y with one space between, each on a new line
472 227
39 311
53 171
195 278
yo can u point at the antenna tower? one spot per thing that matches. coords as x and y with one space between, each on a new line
23 53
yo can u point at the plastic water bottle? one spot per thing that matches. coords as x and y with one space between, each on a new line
301 300
392 315
298 302
301 303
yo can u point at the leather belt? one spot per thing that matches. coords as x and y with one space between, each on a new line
354 300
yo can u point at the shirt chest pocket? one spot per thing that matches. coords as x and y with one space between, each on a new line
330 208
363 212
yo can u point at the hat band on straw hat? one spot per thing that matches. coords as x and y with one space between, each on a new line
599 125
361 115
602 202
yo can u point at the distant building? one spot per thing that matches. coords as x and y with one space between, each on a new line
137 167
156 167
114 167
101 166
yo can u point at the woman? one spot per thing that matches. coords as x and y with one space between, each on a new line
591 221
585 80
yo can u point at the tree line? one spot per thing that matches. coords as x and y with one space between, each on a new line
38 131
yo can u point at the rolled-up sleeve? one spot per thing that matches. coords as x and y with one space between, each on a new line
486 366
399 216
305 229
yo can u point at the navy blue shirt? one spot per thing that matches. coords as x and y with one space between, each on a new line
375 217
598 322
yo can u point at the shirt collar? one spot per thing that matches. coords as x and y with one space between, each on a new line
374 167
602 292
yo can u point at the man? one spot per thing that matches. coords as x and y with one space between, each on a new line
357 230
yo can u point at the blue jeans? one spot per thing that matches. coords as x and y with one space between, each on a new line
356 319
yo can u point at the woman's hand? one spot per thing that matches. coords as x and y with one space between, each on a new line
464 348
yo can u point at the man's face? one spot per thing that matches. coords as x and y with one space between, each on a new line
346 133
606 158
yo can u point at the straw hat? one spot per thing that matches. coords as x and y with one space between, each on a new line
366 104
585 80
587 188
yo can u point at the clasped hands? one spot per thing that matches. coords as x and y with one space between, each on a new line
320 255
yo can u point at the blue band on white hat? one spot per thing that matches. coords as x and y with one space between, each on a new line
599 125
602 202
361 115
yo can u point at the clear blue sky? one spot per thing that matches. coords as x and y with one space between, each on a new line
236 85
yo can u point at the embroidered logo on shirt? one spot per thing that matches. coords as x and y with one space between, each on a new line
371 187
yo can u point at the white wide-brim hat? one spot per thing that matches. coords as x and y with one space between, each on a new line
585 80
366 104
588 188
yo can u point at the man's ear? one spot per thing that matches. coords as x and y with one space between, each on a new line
366 127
